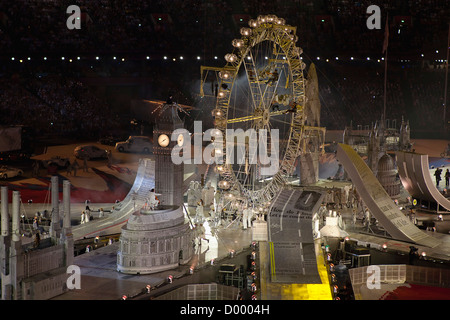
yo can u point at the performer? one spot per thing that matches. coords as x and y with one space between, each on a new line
153 200
247 215
199 216
208 194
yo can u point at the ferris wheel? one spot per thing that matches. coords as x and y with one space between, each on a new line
260 90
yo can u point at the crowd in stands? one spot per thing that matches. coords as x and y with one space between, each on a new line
58 101
159 26
54 106
350 94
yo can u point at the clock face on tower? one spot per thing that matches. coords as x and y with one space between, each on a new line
163 140
180 140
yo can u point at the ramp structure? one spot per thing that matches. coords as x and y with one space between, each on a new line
136 198
413 169
291 242
379 202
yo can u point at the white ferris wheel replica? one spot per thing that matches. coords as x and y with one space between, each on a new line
261 87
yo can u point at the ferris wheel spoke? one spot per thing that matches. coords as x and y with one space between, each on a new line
253 80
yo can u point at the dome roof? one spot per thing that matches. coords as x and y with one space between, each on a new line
386 163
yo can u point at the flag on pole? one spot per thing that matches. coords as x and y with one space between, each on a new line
386 36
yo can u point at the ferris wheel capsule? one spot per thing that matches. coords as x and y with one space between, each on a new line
262 19
230 57
238 43
223 184
216 113
224 75
253 23
271 18
246 31
218 169
280 21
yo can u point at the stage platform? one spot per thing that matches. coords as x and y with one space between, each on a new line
100 279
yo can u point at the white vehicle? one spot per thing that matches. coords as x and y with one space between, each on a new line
59 161
9 172
90 152
135 144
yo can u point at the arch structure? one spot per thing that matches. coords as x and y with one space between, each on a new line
414 172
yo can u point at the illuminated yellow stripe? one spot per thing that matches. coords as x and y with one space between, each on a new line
272 260
253 117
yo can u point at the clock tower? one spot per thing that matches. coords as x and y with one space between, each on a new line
168 176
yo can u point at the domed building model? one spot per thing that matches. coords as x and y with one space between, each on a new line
154 240
157 237
387 175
